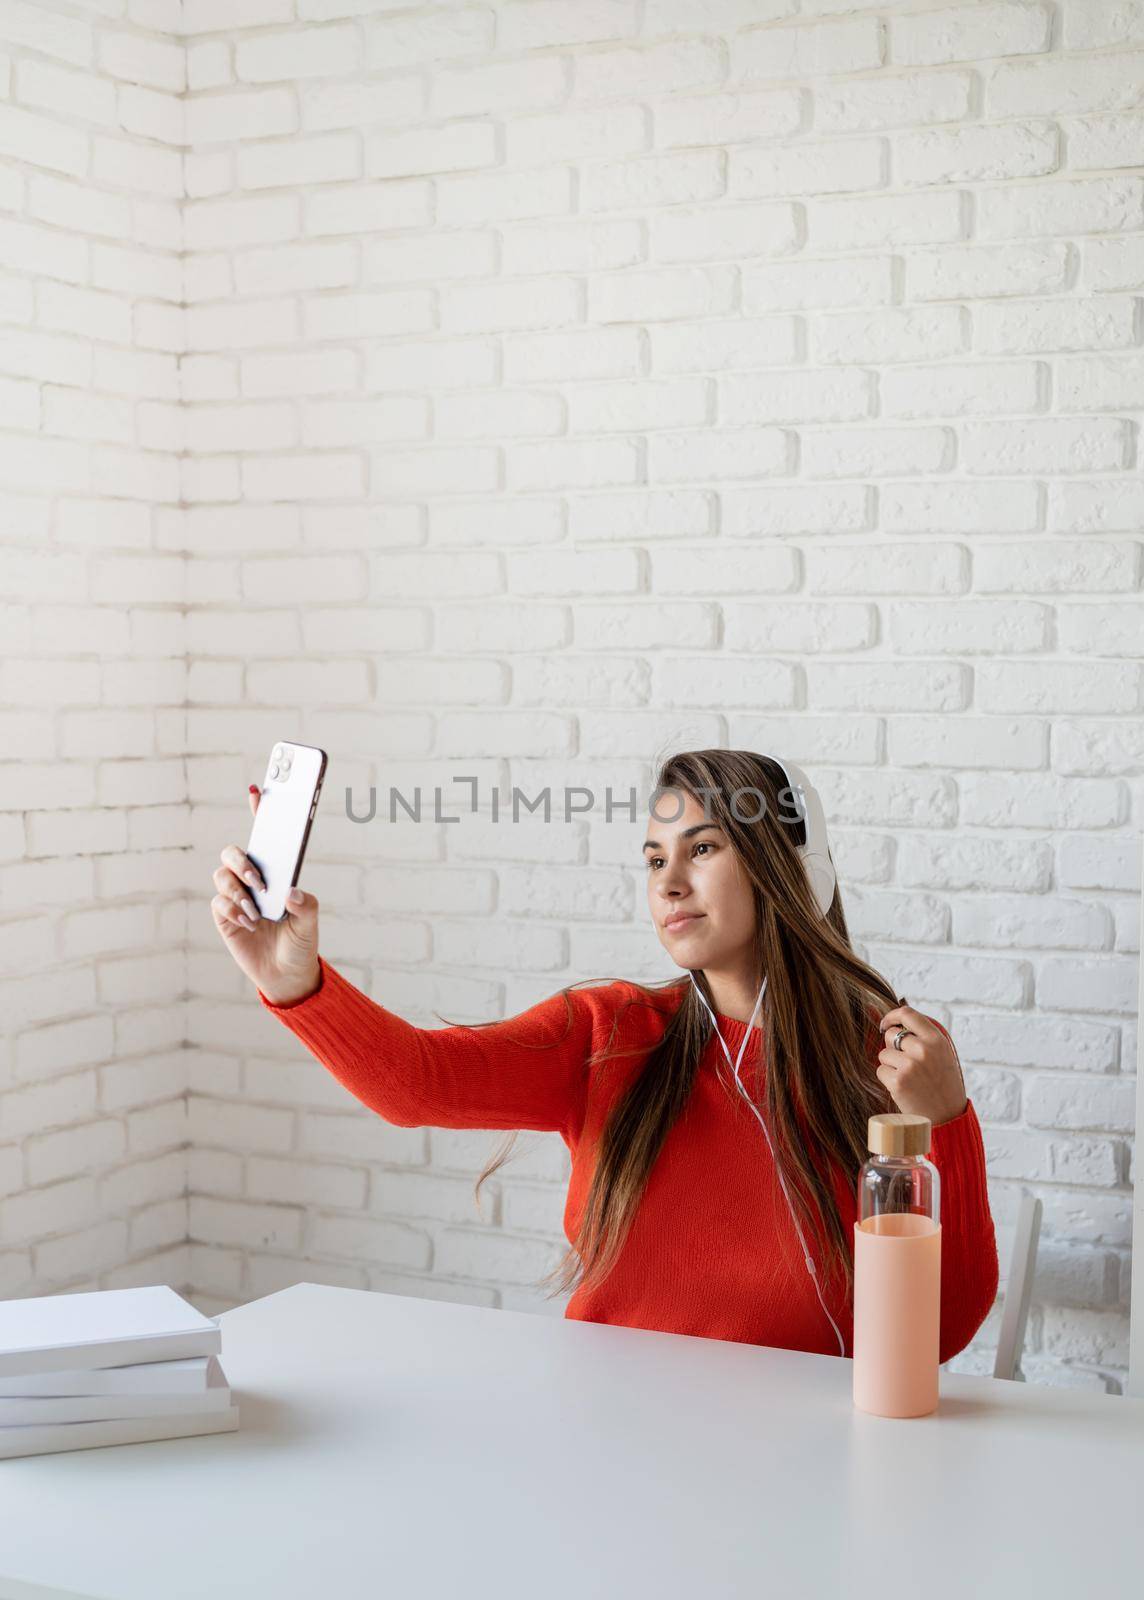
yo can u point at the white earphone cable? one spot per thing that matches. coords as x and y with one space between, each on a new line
734 1065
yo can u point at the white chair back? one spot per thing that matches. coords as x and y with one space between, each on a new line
1018 1290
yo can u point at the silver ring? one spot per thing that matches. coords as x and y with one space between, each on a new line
899 1036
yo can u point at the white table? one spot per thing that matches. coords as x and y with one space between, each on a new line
397 1447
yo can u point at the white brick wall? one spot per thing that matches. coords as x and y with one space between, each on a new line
94 811
557 381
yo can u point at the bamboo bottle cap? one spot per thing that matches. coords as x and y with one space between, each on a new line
898 1133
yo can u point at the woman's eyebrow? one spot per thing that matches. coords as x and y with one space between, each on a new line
654 844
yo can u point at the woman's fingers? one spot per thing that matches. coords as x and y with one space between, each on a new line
241 865
911 1049
228 914
227 884
228 909
916 1022
237 868
233 906
236 876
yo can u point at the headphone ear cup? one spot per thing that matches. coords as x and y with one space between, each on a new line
820 872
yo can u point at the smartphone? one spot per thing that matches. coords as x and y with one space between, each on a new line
282 822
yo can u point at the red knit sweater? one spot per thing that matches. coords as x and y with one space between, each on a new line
712 1250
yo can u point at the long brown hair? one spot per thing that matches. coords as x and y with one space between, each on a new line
817 1021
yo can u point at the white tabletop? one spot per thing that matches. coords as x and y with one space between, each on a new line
392 1446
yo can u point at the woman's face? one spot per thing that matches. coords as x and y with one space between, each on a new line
694 873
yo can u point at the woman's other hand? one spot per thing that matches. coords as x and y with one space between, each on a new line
281 958
924 1076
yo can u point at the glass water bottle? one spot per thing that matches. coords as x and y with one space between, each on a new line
897 1270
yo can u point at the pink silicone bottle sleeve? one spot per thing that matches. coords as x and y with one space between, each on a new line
897 1314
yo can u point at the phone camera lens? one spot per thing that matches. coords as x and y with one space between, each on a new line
277 752
274 770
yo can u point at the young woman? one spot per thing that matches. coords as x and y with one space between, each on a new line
679 1216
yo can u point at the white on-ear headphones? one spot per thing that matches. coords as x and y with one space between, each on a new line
815 852
801 796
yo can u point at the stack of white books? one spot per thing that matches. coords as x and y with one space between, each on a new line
116 1366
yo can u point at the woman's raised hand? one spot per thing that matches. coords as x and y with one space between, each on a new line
281 958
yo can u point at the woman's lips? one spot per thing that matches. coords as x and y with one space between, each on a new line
678 924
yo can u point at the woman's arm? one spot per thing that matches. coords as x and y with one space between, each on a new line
497 1076
969 1267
